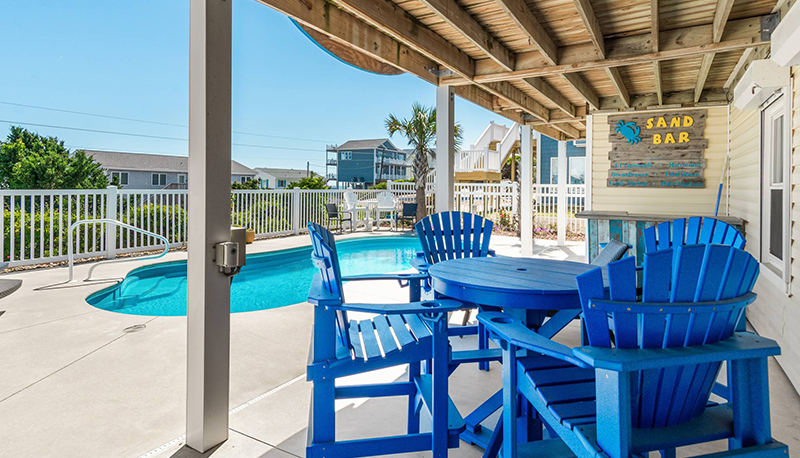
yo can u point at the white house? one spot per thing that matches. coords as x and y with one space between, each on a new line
270 178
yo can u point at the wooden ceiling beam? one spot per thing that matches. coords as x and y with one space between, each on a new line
395 22
616 79
515 97
674 44
721 16
458 18
589 19
658 82
582 88
655 31
521 14
350 31
738 67
683 98
569 131
547 91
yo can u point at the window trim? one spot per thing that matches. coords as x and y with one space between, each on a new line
159 175
119 176
553 166
182 175
778 271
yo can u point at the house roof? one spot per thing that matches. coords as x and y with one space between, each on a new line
153 162
365 144
284 174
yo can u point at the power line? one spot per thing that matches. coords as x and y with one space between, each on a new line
160 137
159 123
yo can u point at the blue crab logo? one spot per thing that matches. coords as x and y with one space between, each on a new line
630 131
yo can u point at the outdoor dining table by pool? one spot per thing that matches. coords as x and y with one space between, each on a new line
524 287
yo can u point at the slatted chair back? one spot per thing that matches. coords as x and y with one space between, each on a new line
453 235
350 200
385 199
326 260
692 296
690 231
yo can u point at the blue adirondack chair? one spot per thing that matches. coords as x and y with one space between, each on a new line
691 231
454 235
409 333
649 389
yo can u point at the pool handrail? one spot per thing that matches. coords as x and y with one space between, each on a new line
114 223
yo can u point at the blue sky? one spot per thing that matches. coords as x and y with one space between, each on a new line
129 59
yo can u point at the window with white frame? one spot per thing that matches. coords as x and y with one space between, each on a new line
577 170
181 179
776 187
281 183
159 179
553 170
121 177
346 155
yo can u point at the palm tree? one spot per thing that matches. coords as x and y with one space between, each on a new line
420 132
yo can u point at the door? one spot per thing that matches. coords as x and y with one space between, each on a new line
776 179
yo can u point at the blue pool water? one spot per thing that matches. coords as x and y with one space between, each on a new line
269 280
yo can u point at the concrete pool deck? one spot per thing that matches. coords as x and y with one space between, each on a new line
74 383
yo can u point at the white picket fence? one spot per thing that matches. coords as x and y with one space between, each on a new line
36 223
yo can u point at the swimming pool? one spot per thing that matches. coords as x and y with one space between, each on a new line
269 280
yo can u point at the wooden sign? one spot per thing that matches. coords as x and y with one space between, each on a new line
657 150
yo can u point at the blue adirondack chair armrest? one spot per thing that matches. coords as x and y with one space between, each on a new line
742 345
318 295
491 253
418 308
419 263
510 330
403 279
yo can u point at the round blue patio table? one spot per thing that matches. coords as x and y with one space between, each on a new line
516 285
534 284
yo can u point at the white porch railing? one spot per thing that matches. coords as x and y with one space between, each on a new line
481 160
35 223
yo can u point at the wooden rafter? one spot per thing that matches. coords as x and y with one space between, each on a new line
349 30
655 32
522 15
721 15
547 91
589 19
514 96
616 79
581 87
633 50
458 18
736 69
390 19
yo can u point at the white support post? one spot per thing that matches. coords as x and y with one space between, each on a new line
111 228
208 304
526 193
563 179
296 210
588 192
445 148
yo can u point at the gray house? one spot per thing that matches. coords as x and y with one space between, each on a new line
363 163
156 171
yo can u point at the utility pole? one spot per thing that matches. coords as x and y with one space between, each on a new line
308 167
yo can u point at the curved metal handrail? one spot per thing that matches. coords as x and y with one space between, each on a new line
115 223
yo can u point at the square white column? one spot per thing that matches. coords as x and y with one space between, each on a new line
563 179
526 190
445 148
208 298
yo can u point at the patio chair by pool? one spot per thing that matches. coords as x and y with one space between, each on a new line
400 334
334 216
408 213
386 211
453 235
613 251
358 215
649 390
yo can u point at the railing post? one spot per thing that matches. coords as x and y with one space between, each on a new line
111 228
561 199
296 210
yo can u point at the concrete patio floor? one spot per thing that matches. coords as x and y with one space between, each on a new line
74 383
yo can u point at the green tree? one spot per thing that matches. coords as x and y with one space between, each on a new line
312 182
249 184
420 132
32 161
